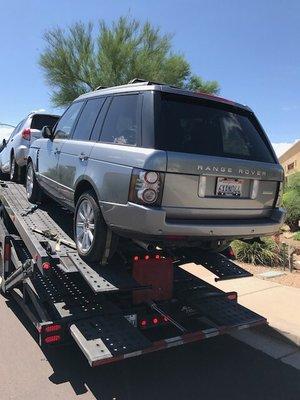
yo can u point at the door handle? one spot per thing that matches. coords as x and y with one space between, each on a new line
83 157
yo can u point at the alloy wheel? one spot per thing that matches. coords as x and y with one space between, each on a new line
85 226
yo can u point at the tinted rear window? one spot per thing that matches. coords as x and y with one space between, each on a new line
190 126
39 121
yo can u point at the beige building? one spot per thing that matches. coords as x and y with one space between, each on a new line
290 160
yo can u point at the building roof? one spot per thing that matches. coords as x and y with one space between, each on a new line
291 151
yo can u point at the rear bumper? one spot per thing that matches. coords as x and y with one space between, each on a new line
139 221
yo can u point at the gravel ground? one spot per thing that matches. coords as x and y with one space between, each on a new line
289 279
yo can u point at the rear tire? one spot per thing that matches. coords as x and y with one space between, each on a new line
14 173
90 229
33 190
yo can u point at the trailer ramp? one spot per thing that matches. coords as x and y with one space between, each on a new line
54 246
198 311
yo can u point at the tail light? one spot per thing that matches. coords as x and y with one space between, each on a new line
146 187
26 134
52 339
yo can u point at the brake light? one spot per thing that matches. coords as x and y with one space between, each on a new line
46 266
155 321
52 328
52 339
26 134
143 323
146 187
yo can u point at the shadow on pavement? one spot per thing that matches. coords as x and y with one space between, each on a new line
220 368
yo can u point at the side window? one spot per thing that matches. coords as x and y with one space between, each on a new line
121 122
65 124
87 119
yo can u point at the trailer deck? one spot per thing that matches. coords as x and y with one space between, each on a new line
66 299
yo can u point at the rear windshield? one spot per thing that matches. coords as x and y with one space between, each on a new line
40 120
190 126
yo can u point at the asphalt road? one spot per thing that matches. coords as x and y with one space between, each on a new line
220 368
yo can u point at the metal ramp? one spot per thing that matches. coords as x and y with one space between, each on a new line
101 338
55 246
220 266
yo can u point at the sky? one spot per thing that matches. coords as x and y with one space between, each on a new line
252 48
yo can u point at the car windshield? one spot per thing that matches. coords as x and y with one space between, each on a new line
41 120
190 125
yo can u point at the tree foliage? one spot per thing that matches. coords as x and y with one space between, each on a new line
80 58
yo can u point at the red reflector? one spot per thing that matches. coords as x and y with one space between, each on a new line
26 134
232 296
136 258
52 328
52 339
147 257
157 256
46 265
7 251
231 252
155 320
143 322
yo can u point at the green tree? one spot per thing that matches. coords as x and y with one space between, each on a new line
80 59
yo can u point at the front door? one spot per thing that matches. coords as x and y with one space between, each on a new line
50 151
75 152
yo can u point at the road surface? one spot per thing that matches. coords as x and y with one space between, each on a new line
219 368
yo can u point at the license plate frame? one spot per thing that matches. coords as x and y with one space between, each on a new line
232 187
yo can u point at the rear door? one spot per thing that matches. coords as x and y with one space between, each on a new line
220 164
76 151
38 121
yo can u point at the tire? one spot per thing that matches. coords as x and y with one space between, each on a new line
14 173
33 190
90 229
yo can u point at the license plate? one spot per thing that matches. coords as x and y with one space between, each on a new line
229 187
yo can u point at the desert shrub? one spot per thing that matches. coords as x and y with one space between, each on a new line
297 236
262 252
291 200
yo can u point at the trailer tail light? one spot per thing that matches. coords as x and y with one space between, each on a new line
52 328
143 323
26 134
152 321
146 187
46 266
232 296
52 339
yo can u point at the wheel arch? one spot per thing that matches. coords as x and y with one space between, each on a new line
83 186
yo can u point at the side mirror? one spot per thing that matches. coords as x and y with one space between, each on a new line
4 143
47 132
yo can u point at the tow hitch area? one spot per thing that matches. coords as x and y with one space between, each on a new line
125 309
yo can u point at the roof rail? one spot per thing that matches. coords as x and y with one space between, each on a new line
100 87
139 80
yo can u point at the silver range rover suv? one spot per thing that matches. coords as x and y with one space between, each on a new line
159 165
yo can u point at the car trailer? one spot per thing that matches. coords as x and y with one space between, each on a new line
136 304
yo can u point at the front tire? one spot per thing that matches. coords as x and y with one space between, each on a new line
33 189
90 229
